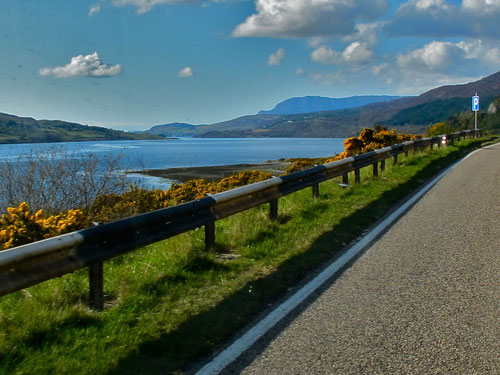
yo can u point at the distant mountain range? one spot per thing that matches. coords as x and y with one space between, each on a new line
409 114
14 129
307 104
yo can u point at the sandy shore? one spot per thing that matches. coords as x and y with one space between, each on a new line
215 173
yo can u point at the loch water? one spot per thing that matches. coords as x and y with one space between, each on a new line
184 152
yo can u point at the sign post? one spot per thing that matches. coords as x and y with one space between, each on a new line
475 108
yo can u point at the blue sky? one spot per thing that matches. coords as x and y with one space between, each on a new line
131 64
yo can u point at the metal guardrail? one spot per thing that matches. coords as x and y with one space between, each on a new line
27 265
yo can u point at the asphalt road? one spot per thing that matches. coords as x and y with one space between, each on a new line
423 299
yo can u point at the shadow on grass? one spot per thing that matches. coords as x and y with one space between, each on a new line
201 334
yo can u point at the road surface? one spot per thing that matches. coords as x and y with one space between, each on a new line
423 299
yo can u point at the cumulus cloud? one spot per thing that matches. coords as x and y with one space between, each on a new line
308 18
83 66
365 32
326 55
377 69
96 8
299 71
144 6
355 53
186 72
441 18
449 58
435 57
277 57
485 51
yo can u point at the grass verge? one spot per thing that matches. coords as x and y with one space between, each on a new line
170 303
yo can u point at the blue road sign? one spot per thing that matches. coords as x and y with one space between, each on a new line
475 103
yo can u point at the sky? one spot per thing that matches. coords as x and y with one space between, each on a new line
132 64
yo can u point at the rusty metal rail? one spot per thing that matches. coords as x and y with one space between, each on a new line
27 265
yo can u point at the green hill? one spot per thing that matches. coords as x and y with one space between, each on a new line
412 114
15 129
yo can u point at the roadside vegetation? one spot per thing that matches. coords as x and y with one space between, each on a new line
55 194
172 302
488 121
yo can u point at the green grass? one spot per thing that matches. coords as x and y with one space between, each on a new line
172 302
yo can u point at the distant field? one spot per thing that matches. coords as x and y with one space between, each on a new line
170 303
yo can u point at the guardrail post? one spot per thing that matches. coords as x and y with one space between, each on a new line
357 176
382 165
375 169
432 146
315 190
209 235
406 153
415 149
395 159
96 286
273 209
345 178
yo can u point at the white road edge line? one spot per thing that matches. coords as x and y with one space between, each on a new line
231 353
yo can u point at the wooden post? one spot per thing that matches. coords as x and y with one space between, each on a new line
375 169
273 209
315 190
415 150
357 176
96 286
209 235
395 159
345 178
406 153
382 165
432 146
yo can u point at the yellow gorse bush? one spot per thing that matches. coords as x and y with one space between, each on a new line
19 226
368 140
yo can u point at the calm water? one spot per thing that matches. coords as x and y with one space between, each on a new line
187 152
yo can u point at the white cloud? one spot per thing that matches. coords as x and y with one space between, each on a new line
331 78
94 9
326 55
277 57
449 58
83 66
434 57
485 51
377 69
365 32
356 53
299 71
186 72
144 6
308 18
442 18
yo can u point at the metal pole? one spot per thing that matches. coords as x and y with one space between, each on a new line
475 120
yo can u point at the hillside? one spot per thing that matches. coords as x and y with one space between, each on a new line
309 104
414 114
15 129
173 129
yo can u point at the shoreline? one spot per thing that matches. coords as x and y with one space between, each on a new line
215 173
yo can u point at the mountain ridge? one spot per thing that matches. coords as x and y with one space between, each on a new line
410 114
307 104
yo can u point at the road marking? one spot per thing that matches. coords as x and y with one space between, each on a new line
231 353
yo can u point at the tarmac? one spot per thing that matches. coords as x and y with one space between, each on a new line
423 299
